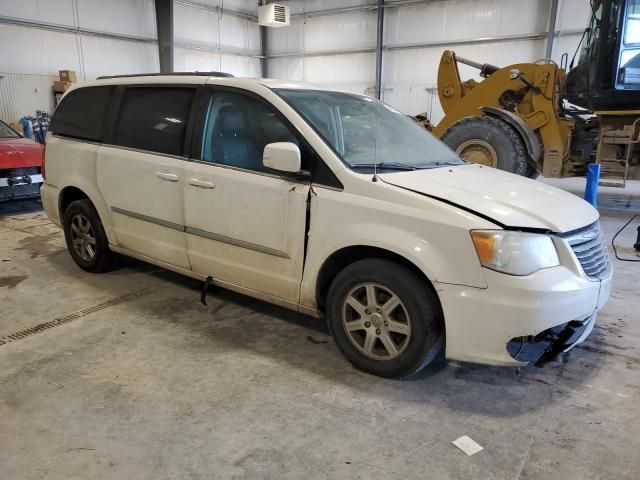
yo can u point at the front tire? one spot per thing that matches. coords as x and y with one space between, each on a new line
384 318
491 142
86 239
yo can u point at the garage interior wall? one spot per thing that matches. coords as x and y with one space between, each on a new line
97 37
337 49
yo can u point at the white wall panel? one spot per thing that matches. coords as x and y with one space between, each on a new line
245 6
105 57
409 75
287 39
352 69
127 17
38 10
206 28
286 68
186 60
195 25
346 31
349 69
238 34
464 19
241 66
303 6
28 50
573 14
405 67
190 60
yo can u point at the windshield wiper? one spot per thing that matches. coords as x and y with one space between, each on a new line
384 166
437 164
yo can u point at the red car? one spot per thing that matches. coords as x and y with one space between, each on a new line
20 165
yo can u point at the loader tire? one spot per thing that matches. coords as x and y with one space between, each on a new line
489 141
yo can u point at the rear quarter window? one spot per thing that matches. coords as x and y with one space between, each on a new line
82 113
154 118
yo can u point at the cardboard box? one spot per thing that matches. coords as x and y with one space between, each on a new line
67 75
60 86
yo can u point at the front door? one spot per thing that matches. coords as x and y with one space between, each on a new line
245 225
141 172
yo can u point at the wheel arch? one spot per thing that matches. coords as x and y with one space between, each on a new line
68 195
529 137
345 256
78 190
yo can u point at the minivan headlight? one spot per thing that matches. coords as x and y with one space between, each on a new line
514 253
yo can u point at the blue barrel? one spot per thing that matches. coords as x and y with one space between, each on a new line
593 178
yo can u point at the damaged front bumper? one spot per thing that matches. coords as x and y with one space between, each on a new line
540 349
517 321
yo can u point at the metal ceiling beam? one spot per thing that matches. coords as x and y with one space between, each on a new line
553 15
362 8
444 43
217 9
164 27
53 27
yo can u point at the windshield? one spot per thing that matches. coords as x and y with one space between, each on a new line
366 132
592 33
6 132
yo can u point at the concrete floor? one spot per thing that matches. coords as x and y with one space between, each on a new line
138 380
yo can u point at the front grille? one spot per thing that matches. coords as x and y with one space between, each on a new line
590 249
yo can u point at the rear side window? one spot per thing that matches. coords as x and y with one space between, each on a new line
82 113
154 119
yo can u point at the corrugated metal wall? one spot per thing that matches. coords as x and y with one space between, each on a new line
337 50
98 37
23 94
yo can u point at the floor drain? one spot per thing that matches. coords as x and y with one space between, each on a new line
19 335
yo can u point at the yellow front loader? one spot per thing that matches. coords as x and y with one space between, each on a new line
509 120
533 118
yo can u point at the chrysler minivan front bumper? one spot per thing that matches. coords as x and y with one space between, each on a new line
483 324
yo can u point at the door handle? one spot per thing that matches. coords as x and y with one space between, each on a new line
201 183
171 177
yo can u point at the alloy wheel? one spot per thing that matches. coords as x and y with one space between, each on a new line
83 237
376 321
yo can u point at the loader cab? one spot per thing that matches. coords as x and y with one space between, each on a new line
607 76
628 51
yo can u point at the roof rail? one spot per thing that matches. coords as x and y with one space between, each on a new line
202 74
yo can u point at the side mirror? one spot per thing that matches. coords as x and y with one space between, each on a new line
282 156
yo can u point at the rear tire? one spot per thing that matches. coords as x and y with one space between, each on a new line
384 318
86 239
489 141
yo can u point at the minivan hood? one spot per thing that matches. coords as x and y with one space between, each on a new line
508 199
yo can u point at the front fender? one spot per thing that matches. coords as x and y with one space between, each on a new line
531 140
438 244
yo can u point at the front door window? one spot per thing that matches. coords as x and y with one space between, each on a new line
237 128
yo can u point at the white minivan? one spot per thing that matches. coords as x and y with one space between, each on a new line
329 203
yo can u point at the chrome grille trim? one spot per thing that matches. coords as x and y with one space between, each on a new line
590 248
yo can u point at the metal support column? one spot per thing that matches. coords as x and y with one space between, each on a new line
378 86
264 39
553 15
164 24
